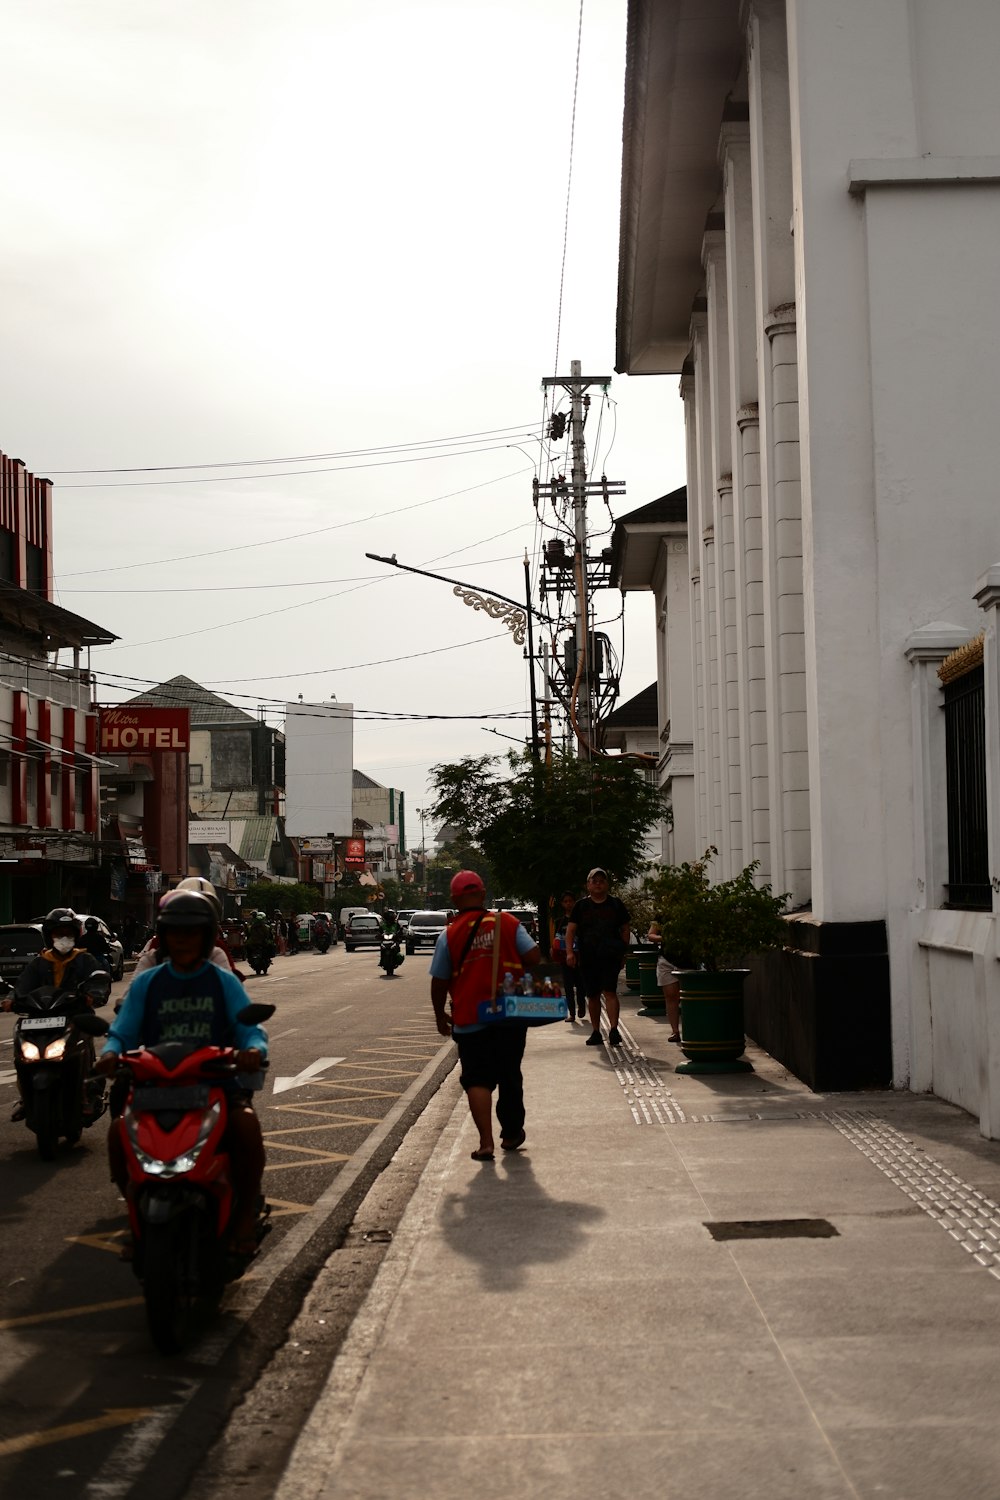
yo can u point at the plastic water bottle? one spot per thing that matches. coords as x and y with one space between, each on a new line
529 988
508 983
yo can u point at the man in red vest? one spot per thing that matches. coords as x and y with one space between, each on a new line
463 968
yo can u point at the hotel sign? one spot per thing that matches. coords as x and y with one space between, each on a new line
144 731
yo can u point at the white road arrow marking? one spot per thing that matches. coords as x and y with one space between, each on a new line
319 1066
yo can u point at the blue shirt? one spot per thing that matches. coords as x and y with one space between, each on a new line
127 1031
441 961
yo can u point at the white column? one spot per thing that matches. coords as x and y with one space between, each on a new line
704 541
754 730
698 695
734 157
790 757
725 707
987 596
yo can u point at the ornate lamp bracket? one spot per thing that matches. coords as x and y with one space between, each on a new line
514 618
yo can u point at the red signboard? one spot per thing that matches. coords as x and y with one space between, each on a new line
354 853
144 731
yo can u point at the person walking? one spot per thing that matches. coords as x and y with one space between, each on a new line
666 978
462 969
576 1005
597 936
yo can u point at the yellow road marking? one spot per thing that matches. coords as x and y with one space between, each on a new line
308 1158
279 1208
335 1122
118 1416
59 1313
110 1240
383 1073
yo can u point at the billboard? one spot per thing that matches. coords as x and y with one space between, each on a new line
143 731
319 770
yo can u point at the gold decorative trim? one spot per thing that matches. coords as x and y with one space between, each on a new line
508 614
966 659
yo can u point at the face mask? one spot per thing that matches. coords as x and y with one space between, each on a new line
63 944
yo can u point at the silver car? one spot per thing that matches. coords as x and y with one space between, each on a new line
424 929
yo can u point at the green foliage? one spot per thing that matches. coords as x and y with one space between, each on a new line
543 827
715 925
270 897
459 854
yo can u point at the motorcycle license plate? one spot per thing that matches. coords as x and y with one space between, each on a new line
42 1023
191 1096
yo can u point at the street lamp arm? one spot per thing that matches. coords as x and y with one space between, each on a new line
455 582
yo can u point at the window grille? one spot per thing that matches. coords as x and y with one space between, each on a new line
965 750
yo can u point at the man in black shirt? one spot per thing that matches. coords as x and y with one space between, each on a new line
599 927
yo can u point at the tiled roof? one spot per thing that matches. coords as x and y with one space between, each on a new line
640 712
672 507
206 707
363 783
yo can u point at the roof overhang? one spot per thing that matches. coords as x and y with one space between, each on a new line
637 552
683 59
52 626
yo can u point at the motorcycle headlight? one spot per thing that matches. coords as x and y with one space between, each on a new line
29 1051
155 1166
55 1049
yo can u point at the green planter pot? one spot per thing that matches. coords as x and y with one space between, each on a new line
632 969
712 1036
653 1003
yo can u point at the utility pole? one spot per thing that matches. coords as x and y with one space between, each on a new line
587 573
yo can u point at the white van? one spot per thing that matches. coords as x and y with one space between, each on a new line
346 912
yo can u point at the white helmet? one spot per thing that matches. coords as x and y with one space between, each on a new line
204 888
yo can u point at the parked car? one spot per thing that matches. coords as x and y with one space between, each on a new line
116 952
424 929
528 918
363 931
19 942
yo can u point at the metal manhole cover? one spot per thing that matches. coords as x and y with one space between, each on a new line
771 1229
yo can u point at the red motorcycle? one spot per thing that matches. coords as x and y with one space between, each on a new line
180 1195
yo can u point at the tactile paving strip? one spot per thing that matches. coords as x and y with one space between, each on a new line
972 1219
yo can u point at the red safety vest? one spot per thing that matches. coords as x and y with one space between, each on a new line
471 979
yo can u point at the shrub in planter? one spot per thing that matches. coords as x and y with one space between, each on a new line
715 926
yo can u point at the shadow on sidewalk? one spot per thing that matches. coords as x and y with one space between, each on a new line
505 1221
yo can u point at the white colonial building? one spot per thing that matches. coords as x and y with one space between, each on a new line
810 240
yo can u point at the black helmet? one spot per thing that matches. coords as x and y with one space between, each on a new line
188 909
61 916
90 922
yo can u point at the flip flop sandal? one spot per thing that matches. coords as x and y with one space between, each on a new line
515 1143
482 1156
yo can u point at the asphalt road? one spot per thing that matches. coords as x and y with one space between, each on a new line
87 1407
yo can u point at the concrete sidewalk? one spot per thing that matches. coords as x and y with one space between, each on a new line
563 1324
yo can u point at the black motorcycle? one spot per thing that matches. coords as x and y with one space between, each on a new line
390 954
259 956
321 936
54 1062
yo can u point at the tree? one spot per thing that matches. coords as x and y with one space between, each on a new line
457 854
543 827
269 897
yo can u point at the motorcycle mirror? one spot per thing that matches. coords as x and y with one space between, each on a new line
253 1015
96 987
90 1024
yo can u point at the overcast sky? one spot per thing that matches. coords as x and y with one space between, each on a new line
244 229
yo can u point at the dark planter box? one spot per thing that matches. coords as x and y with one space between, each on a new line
820 1006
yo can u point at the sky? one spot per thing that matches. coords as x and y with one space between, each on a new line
328 235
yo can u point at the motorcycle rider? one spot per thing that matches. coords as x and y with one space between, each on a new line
96 943
188 998
63 963
259 934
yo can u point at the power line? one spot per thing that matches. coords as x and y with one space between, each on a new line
295 458
569 184
302 583
157 562
417 458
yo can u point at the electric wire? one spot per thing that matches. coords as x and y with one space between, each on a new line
295 458
569 185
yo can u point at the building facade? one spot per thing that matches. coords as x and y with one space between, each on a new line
810 214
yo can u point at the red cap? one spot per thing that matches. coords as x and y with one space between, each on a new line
466 880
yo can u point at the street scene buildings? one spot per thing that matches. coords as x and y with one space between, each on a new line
565 957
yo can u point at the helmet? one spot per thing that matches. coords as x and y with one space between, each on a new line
192 910
203 887
61 916
91 922
389 916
